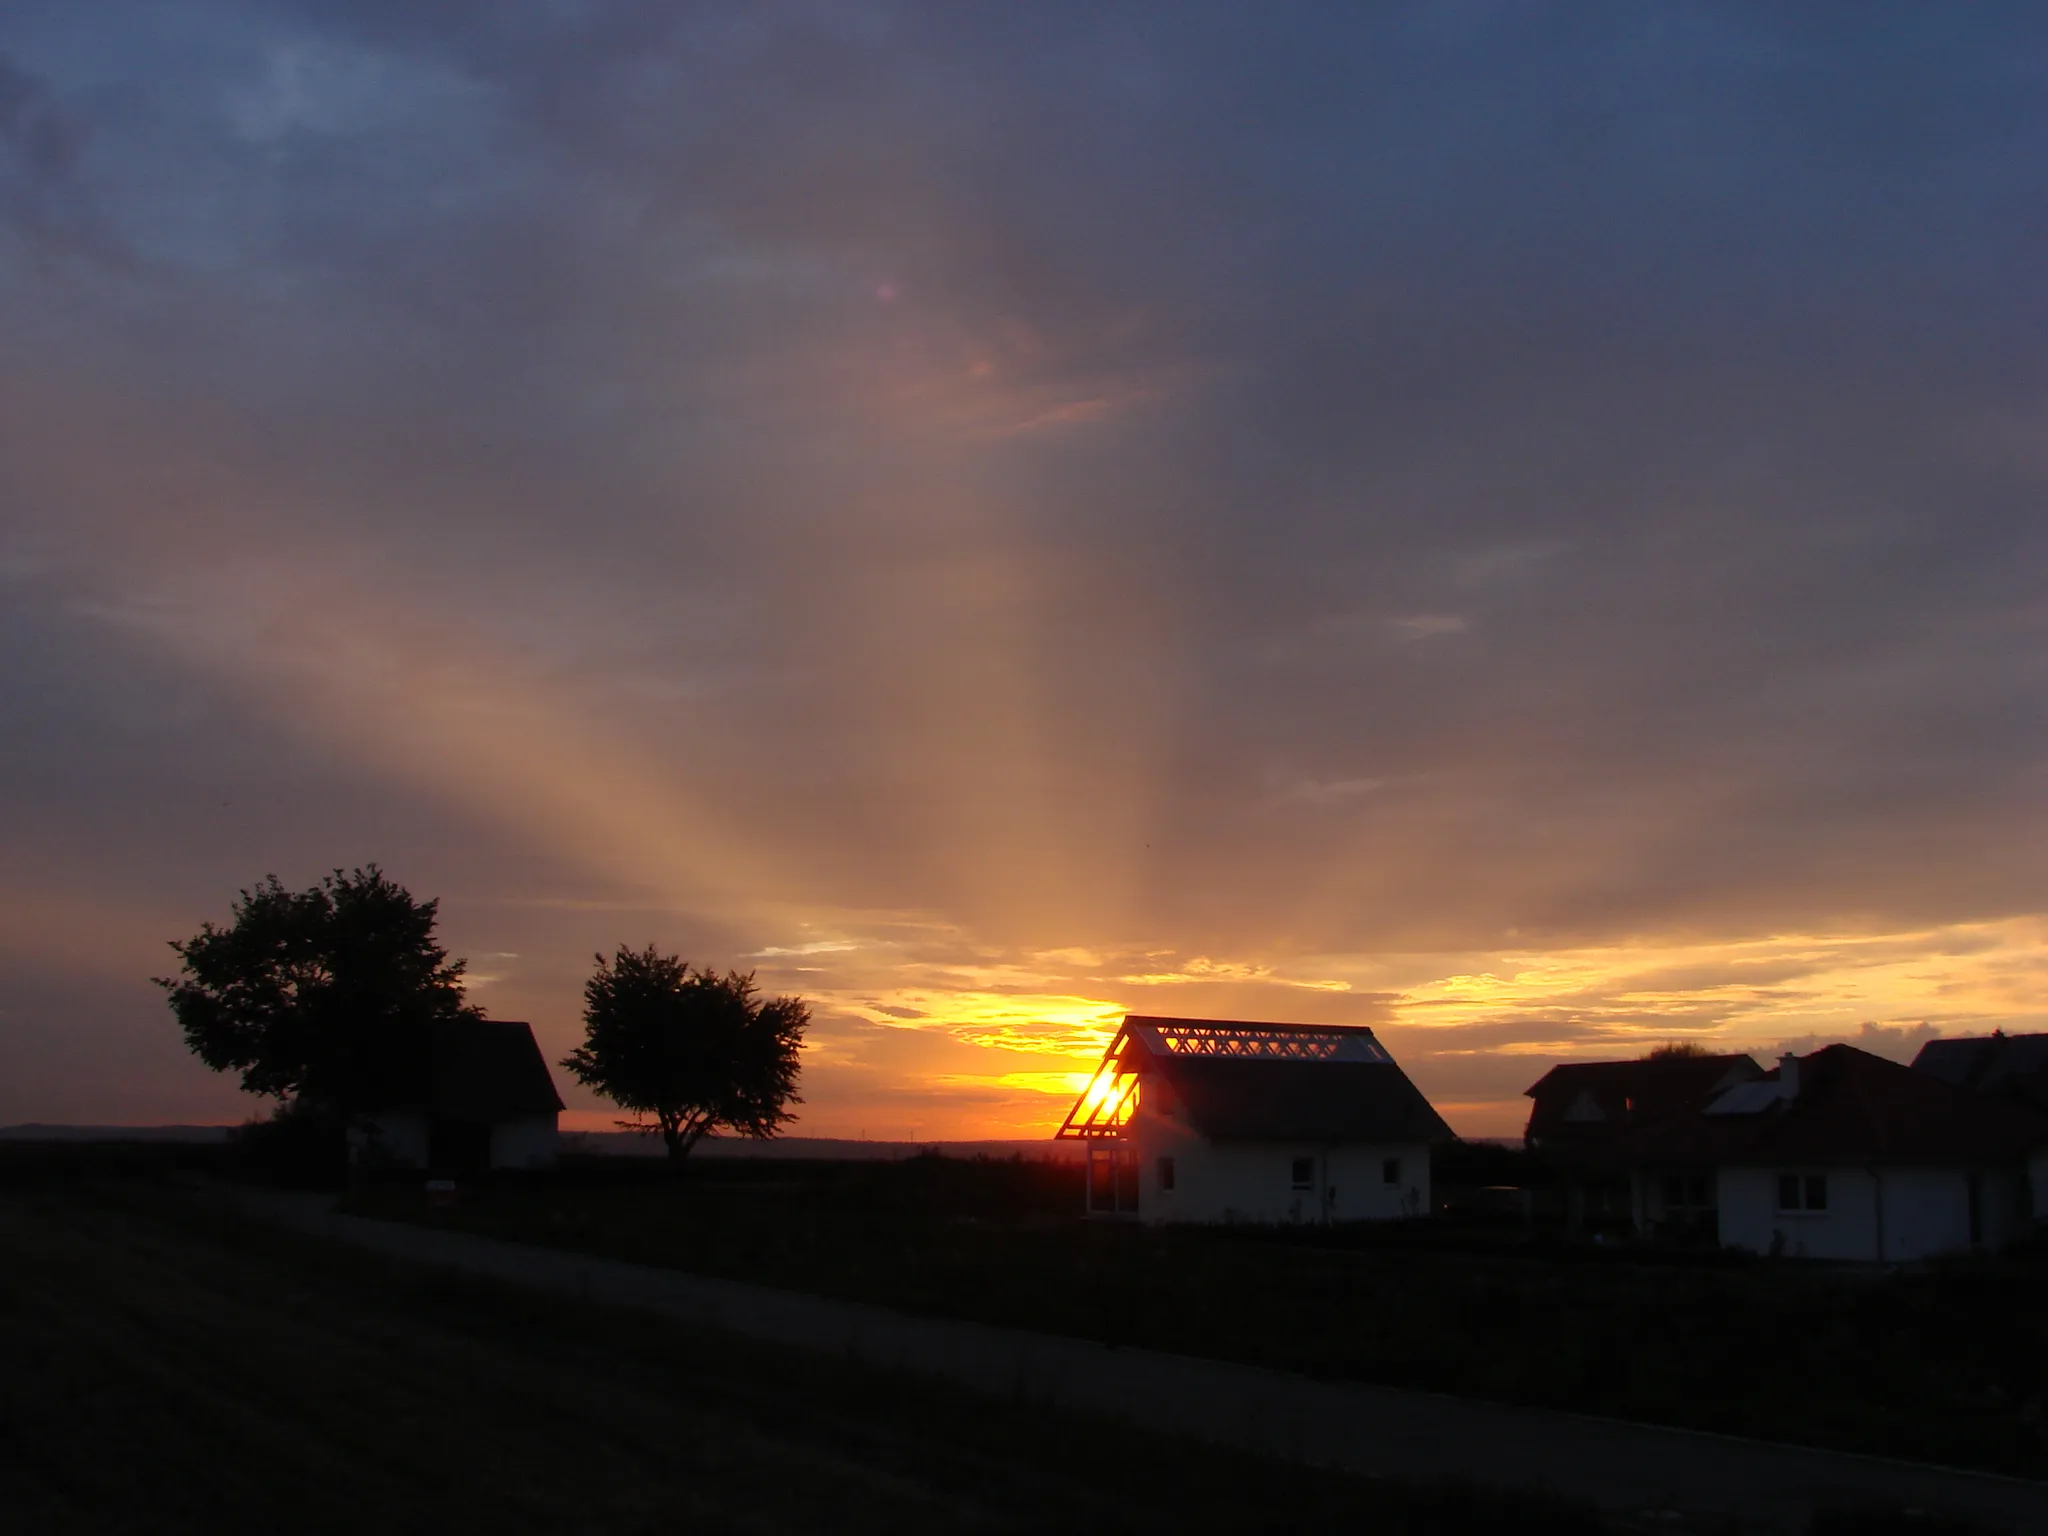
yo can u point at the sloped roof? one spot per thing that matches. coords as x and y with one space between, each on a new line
1850 1107
1239 1080
2013 1065
473 1069
1587 1100
1322 1101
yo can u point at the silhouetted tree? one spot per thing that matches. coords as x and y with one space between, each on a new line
316 995
1677 1050
695 1050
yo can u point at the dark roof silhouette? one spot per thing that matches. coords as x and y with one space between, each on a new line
2015 1066
1237 1080
1850 1106
1324 1101
473 1069
1588 1101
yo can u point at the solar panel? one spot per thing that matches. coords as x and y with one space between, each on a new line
1747 1099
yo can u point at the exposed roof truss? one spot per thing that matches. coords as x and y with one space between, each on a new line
1266 1042
1107 1103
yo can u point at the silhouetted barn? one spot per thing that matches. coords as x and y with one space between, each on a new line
1220 1120
480 1096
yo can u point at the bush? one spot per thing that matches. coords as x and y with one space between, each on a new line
303 1145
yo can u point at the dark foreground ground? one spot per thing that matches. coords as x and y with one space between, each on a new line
1942 1364
166 1370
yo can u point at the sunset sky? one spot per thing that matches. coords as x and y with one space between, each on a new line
1521 526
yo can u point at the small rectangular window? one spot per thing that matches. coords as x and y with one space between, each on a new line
1802 1192
1166 1173
1304 1173
1390 1171
1698 1189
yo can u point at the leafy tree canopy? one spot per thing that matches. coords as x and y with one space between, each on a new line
1678 1050
316 994
694 1050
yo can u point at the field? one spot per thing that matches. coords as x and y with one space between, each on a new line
1940 1364
163 1369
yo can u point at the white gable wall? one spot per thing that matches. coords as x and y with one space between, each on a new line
1254 1181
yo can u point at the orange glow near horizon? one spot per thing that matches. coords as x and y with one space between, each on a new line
1001 914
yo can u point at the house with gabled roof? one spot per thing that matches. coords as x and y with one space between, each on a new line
1844 1155
476 1095
2010 1068
1583 1113
1211 1120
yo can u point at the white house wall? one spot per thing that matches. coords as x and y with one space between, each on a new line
1919 1211
403 1140
392 1140
530 1143
1253 1181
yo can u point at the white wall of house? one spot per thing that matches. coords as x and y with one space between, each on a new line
529 1143
1888 1214
1255 1181
395 1139
398 1139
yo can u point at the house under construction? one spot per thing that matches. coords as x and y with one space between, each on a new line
1218 1120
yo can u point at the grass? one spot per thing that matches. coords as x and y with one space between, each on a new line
1940 1364
166 1370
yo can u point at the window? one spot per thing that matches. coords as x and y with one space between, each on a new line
1390 1171
1166 1173
1802 1192
1304 1173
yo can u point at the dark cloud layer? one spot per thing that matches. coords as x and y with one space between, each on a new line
1253 487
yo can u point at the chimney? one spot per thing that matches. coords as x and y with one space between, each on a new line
1788 1076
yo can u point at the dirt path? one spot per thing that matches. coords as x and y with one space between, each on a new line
1641 1469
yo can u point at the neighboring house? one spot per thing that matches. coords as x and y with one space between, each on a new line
2012 1068
1217 1120
480 1096
1844 1155
1584 1113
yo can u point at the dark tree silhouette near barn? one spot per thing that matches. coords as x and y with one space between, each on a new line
696 1051
313 996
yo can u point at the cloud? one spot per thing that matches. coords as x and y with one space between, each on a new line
44 199
1898 1042
1424 626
